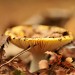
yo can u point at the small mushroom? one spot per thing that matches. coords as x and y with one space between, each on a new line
43 64
41 45
69 59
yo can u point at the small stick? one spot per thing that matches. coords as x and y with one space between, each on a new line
20 53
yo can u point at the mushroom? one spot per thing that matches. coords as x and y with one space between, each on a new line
41 45
43 64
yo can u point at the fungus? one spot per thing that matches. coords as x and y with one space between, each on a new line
42 45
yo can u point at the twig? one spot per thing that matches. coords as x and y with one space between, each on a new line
20 53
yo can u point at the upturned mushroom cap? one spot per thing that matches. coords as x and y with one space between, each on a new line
43 43
43 38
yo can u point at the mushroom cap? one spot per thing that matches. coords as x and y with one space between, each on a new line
29 31
42 43
19 31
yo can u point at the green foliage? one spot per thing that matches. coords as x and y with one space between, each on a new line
18 72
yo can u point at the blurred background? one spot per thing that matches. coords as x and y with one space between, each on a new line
35 12
15 12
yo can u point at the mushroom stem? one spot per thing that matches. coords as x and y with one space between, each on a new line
35 62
